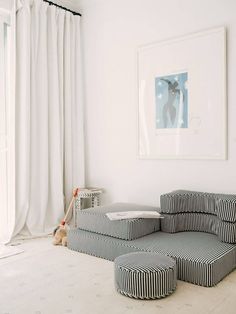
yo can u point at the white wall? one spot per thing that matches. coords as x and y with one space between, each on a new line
70 4
112 30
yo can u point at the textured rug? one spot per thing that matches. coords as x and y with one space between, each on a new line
6 251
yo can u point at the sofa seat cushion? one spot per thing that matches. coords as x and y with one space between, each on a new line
95 220
201 258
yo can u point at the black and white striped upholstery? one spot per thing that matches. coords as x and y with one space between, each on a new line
225 231
144 275
201 258
190 222
226 208
95 220
198 211
182 201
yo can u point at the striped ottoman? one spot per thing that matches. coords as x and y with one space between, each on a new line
145 275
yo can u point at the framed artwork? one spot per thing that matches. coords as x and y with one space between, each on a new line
182 97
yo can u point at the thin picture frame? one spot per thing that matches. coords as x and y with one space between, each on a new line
182 103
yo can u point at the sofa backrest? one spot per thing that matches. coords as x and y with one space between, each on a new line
199 211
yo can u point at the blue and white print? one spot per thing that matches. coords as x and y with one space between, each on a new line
171 94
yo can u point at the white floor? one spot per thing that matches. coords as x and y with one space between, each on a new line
46 279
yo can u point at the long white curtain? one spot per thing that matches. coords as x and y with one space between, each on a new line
49 114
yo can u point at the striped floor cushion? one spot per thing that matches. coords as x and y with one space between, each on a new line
145 275
201 258
225 231
95 220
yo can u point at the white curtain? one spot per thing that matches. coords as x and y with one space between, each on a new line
49 114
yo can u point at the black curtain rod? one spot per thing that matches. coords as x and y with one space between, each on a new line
61 7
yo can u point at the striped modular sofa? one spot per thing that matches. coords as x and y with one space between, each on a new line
198 231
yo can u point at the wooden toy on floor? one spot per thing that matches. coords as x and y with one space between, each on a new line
60 233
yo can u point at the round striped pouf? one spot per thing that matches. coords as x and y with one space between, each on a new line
145 275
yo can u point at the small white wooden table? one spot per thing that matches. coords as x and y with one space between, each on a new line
83 198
